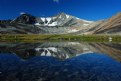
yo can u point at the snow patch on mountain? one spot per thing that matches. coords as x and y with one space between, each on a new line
67 16
37 24
87 21
43 19
60 17
78 18
53 24
84 20
48 19
53 17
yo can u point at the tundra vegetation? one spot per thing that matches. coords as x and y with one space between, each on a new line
62 37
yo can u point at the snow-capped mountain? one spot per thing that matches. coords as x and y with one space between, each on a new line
61 23
61 19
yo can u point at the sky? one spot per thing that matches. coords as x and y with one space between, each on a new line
84 9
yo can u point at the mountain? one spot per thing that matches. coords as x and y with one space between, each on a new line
109 26
61 23
61 19
25 19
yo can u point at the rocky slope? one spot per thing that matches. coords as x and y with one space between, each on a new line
109 26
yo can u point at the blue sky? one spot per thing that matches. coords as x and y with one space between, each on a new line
85 9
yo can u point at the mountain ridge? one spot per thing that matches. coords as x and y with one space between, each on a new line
61 23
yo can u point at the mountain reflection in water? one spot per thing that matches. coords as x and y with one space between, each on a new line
61 50
60 61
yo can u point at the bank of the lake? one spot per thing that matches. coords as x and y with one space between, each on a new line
63 37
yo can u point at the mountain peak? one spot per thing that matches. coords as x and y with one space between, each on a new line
25 19
62 13
26 14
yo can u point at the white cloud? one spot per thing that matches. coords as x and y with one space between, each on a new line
57 1
22 13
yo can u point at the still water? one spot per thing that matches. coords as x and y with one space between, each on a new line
60 61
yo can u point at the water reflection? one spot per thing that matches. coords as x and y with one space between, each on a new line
61 50
60 61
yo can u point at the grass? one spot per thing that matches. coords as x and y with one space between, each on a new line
64 37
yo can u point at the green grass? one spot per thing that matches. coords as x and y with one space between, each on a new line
35 37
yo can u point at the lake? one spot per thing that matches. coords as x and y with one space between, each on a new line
60 61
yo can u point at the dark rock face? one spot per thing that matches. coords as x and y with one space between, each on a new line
92 67
25 19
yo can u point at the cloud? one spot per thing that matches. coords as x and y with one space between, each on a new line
57 1
21 13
